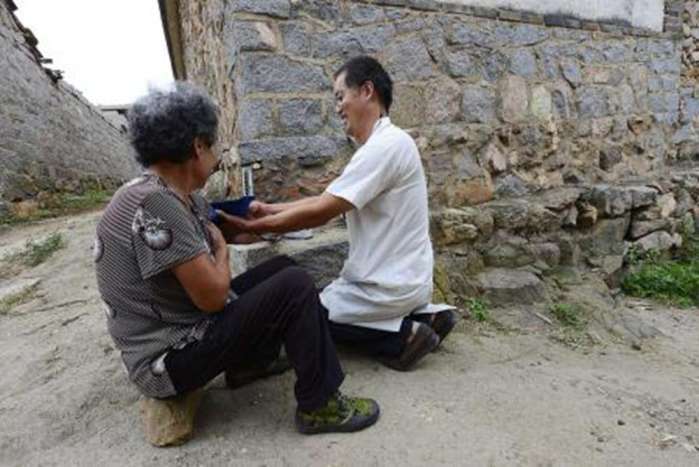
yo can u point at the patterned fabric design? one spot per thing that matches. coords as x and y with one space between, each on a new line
145 231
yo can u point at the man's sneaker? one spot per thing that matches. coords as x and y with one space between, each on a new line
236 378
424 340
341 414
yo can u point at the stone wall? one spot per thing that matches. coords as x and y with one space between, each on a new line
51 138
208 61
547 141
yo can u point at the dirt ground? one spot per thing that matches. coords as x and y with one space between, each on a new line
488 397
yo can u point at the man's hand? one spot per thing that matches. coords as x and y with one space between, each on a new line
302 214
259 209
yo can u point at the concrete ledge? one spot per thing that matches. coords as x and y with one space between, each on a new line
322 256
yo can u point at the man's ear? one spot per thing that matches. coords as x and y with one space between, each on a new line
368 90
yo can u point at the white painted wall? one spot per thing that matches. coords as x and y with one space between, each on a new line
641 13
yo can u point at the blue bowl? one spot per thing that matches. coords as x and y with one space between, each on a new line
235 207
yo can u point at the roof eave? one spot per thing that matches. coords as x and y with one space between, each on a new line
170 16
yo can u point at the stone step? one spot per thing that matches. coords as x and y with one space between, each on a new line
322 255
502 287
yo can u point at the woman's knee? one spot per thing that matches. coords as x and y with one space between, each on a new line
297 278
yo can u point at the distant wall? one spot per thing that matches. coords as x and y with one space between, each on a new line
51 138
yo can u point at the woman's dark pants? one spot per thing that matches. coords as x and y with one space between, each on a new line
277 304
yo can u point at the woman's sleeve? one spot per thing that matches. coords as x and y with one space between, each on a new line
163 235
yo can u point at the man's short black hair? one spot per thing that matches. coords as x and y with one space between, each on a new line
363 68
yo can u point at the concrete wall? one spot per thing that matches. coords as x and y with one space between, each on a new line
51 138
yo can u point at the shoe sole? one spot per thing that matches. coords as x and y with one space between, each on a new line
348 427
442 327
408 360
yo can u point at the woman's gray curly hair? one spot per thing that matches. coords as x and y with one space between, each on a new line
163 124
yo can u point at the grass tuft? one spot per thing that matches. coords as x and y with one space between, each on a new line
479 309
674 281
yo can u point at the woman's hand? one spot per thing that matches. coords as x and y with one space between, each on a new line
220 245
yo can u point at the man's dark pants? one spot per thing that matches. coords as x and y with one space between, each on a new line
277 304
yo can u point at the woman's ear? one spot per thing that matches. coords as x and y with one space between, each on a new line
198 147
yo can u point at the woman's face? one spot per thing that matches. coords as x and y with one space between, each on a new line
208 160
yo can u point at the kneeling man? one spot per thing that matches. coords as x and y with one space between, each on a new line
381 301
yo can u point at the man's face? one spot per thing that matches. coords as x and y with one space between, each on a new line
350 105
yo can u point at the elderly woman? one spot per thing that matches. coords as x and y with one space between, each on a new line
163 273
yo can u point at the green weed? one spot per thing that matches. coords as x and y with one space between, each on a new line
674 281
568 315
479 309
60 204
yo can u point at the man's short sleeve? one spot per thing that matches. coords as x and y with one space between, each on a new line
368 174
164 235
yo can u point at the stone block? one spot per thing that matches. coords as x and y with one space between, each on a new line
366 14
508 255
642 228
300 116
610 157
522 216
278 8
322 256
559 199
642 196
478 104
548 253
541 104
664 103
658 241
306 149
606 237
251 36
523 63
461 64
170 422
276 73
510 186
593 102
494 65
610 201
407 60
470 191
454 226
519 35
514 100
670 66
510 287
471 34
344 44
493 158
408 108
255 119
297 39
442 102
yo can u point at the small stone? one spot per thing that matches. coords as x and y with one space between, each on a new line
170 422
620 422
